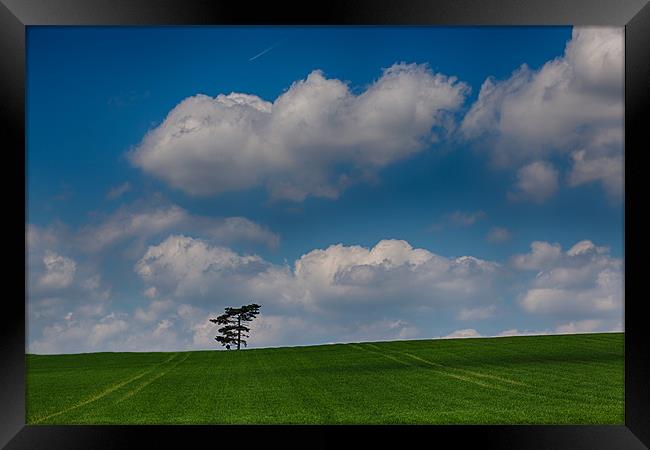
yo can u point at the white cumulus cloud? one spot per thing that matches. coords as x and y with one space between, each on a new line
571 106
337 277
585 280
59 271
191 266
580 326
464 333
536 182
108 327
311 140
541 255
135 222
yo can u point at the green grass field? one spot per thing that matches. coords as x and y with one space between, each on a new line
568 379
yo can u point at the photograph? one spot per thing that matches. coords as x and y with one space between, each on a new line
325 225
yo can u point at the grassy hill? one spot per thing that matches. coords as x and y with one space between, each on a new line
567 379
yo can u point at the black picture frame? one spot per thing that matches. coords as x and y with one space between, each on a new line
15 15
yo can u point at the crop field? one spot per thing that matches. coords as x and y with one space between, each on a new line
566 379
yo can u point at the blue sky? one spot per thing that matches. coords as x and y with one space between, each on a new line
345 136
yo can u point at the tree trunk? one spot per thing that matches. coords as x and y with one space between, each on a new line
238 331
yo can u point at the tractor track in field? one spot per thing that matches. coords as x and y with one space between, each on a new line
469 372
467 379
132 392
466 371
525 393
447 374
566 376
110 389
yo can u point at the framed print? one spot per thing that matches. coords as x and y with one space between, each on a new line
365 220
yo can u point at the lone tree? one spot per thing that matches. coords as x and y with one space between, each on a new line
233 328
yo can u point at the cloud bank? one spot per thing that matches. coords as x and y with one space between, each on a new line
340 293
336 278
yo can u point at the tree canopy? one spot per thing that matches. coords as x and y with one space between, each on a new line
234 330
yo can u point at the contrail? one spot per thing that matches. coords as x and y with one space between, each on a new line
266 51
